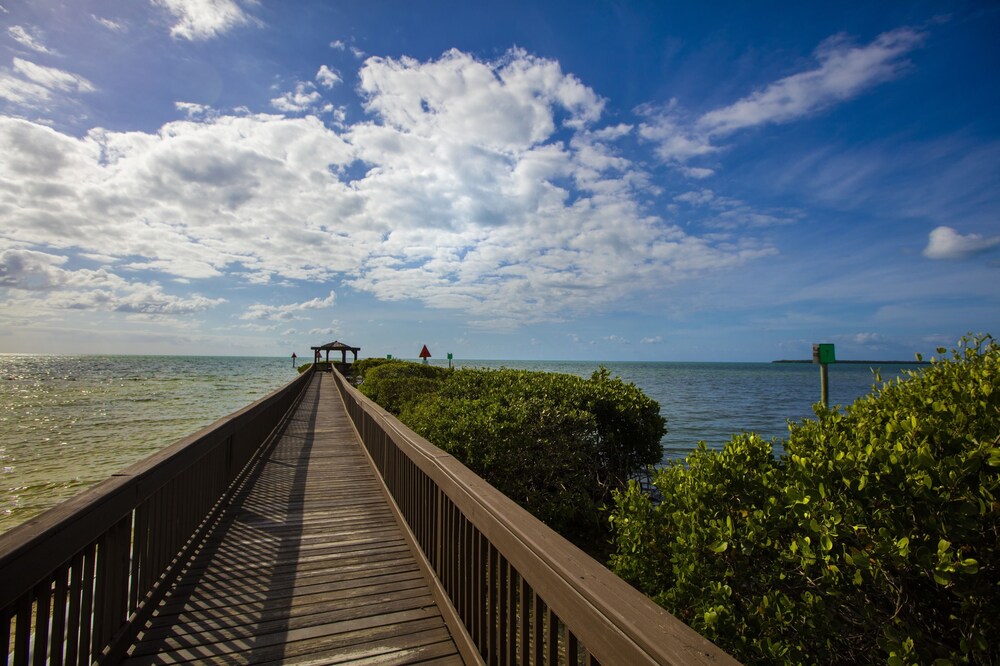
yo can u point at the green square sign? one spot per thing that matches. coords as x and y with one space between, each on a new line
823 353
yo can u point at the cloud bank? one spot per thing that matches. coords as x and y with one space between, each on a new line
488 187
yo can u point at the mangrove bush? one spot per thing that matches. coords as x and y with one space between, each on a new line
557 444
874 536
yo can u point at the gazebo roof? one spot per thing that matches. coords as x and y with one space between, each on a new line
336 345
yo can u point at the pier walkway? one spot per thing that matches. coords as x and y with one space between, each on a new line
312 527
307 564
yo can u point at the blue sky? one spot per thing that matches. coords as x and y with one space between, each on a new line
612 181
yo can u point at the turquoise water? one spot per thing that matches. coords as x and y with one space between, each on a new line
67 422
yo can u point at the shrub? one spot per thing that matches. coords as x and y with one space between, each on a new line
393 384
875 535
556 444
360 368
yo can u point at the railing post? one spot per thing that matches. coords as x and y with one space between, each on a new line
438 531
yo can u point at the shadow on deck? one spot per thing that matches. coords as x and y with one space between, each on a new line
306 564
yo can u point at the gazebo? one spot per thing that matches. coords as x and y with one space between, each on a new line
336 345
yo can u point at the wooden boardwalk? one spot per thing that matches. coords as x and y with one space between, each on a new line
308 565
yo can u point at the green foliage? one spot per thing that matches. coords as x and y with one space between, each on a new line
393 384
875 536
556 444
360 368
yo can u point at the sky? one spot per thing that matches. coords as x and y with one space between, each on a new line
647 181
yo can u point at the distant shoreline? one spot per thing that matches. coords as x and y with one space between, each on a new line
859 362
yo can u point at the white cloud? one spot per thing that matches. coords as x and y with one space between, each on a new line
698 173
338 44
151 299
946 243
289 311
613 132
870 339
331 330
194 110
35 86
675 140
845 71
654 340
327 77
697 198
26 274
484 187
25 37
26 269
204 19
303 98
358 53
729 213
507 105
23 93
52 78
114 26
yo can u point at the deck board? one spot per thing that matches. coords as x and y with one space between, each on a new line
308 565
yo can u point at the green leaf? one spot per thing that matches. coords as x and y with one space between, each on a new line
719 547
970 566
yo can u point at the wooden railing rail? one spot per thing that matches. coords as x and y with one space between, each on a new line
77 581
524 594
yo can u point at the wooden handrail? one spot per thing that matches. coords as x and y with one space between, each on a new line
76 580
524 593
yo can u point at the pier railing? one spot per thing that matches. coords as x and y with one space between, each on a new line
522 593
77 581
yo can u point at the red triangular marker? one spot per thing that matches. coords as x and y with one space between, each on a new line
424 353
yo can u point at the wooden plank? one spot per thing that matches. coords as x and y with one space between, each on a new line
274 634
190 622
309 564
281 646
289 597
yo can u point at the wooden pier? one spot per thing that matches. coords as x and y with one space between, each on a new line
313 527
307 564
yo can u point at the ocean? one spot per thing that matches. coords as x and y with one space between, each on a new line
68 422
